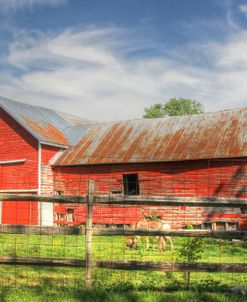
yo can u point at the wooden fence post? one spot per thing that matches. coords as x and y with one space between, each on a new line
89 232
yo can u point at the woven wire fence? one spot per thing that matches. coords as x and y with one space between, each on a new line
130 230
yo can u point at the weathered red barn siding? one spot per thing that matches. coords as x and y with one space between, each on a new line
15 144
46 186
48 152
202 178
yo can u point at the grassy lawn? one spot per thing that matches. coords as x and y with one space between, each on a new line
56 295
114 248
30 283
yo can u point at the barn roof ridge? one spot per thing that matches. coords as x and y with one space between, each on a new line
218 134
169 116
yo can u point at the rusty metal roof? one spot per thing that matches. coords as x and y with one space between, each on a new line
210 135
46 125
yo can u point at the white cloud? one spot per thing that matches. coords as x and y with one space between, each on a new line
90 73
14 5
87 46
243 9
229 55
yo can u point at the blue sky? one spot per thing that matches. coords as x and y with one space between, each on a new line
109 59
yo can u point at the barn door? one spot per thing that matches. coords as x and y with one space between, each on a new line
13 212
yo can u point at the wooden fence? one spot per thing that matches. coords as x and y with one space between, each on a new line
90 200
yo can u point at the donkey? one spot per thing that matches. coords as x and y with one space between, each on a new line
160 224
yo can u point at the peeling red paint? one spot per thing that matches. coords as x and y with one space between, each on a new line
204 178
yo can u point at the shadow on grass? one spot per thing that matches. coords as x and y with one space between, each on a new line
121 293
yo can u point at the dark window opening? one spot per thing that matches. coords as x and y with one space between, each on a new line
207 226
131 184
220 226
59 192
70 215
232 225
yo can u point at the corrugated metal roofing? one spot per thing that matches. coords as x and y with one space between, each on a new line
211 135
46 125
75 134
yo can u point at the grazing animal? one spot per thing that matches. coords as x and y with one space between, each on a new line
160 224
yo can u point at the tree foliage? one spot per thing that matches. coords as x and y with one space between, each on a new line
174 107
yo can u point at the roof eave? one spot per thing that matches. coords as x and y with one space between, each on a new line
56 164
54 145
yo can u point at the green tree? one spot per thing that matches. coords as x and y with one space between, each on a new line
174 107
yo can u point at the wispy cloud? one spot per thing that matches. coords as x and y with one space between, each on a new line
6 5
243 9
91 72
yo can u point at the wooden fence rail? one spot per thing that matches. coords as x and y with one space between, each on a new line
129 265
174 233
89 230
41 230
117 231
122 200
44 198
171 201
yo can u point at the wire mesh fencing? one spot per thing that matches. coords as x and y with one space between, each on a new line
125 240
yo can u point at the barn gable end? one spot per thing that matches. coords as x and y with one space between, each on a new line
30 137
18 170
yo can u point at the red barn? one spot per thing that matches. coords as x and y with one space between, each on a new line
48 152
187 156
30 138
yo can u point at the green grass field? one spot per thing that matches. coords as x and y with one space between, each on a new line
31 283
39 294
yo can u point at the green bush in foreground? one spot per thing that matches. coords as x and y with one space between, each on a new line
190 250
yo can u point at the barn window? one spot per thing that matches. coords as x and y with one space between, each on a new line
221 226
131 184
58 192
60 217
70 215
232 225
207 226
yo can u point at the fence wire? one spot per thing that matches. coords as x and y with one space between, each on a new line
55 253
